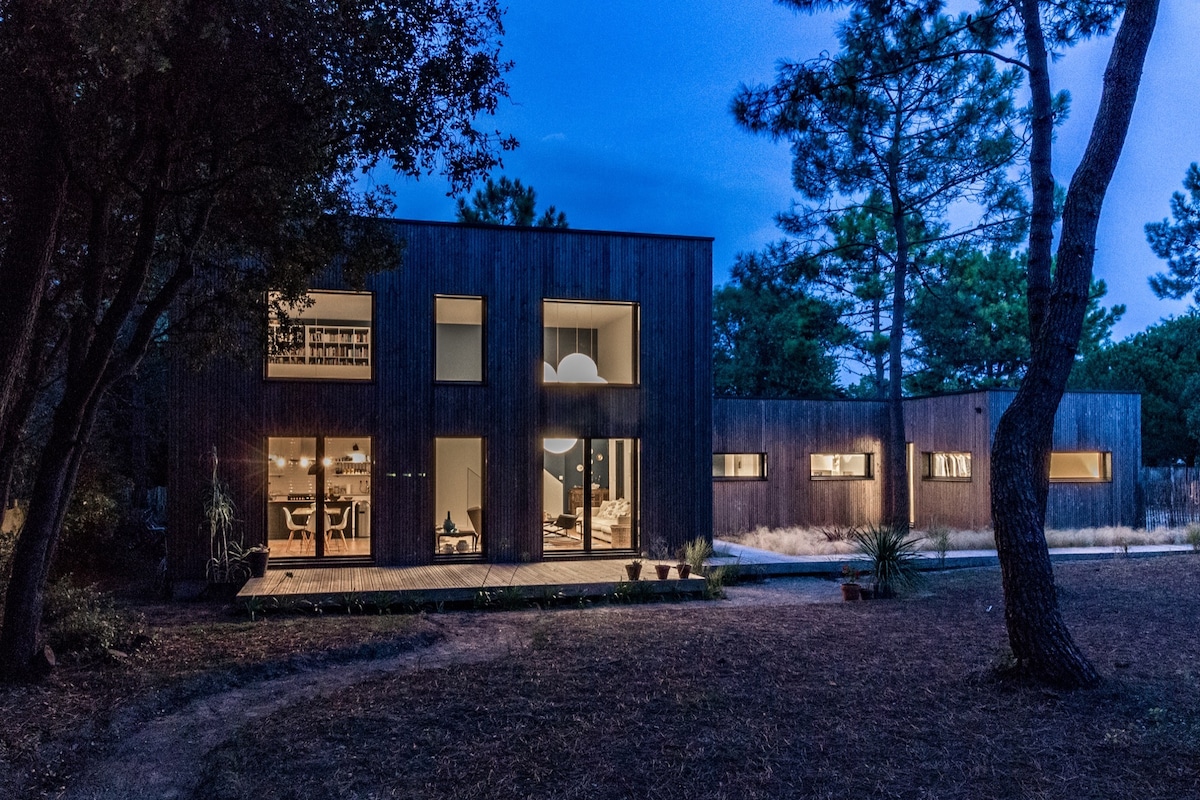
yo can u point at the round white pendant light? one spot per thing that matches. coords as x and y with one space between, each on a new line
548 373
578 368
558 446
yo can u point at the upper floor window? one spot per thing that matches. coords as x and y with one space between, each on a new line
1084 467
589 342
839 466
459 334
947 466
327 337
743 466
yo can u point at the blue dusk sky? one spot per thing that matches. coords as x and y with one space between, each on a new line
622 112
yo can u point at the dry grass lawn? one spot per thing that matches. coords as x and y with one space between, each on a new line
832 540
884 699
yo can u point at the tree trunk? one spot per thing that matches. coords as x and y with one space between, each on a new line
895 449
1020 483
34 550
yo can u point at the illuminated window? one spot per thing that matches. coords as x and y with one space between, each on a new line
589 342
327 338
459 339
1085 467
947 466
739 466
839 466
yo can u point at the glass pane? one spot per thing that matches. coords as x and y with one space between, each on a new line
459 339
840 465
347 496
562 494
608 507
458 496
739 465
291 495
589 342
1080 466
328 339
948 466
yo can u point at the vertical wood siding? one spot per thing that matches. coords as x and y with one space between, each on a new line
1104 421
669 412
789 431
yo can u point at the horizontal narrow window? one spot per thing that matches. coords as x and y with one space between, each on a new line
947 466
739 466
1084 467
327 338
839 466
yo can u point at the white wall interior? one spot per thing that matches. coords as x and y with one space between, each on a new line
455 460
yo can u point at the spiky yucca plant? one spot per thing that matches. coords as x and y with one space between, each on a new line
893 558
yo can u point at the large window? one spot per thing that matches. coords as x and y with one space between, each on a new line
590 342
839 466
1082 467
947 466
589 495
459 345
458 495
328 337
739 466
319 495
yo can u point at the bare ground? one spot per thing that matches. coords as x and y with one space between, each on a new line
779 692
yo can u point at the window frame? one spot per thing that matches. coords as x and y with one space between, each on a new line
483 340
267 376
1106 466
635 322
868 476
927 466
762 471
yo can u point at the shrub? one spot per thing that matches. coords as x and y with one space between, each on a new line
893 558
696 552
1193 537
939 539
81 623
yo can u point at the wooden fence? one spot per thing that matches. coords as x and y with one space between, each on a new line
1170 496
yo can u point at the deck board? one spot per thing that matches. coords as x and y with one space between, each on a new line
459 582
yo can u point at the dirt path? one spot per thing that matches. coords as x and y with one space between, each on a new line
162 758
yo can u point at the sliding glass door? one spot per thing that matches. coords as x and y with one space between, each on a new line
319 496
589 495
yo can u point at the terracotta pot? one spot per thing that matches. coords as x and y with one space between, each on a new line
684 570
851 592
663 570
634 571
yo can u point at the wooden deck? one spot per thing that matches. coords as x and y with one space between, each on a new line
456 583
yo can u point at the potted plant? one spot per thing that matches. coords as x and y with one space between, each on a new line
257 557
227 569
663 570
851 590
634 569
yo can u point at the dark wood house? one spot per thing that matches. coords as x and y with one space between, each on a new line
779 463
507 394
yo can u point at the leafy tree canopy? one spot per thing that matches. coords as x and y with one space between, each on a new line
1178 243
507 202
1163 363
971 324
771 336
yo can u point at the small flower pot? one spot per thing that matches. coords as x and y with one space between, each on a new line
257 559
663 570
684 570
634 571
851 592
